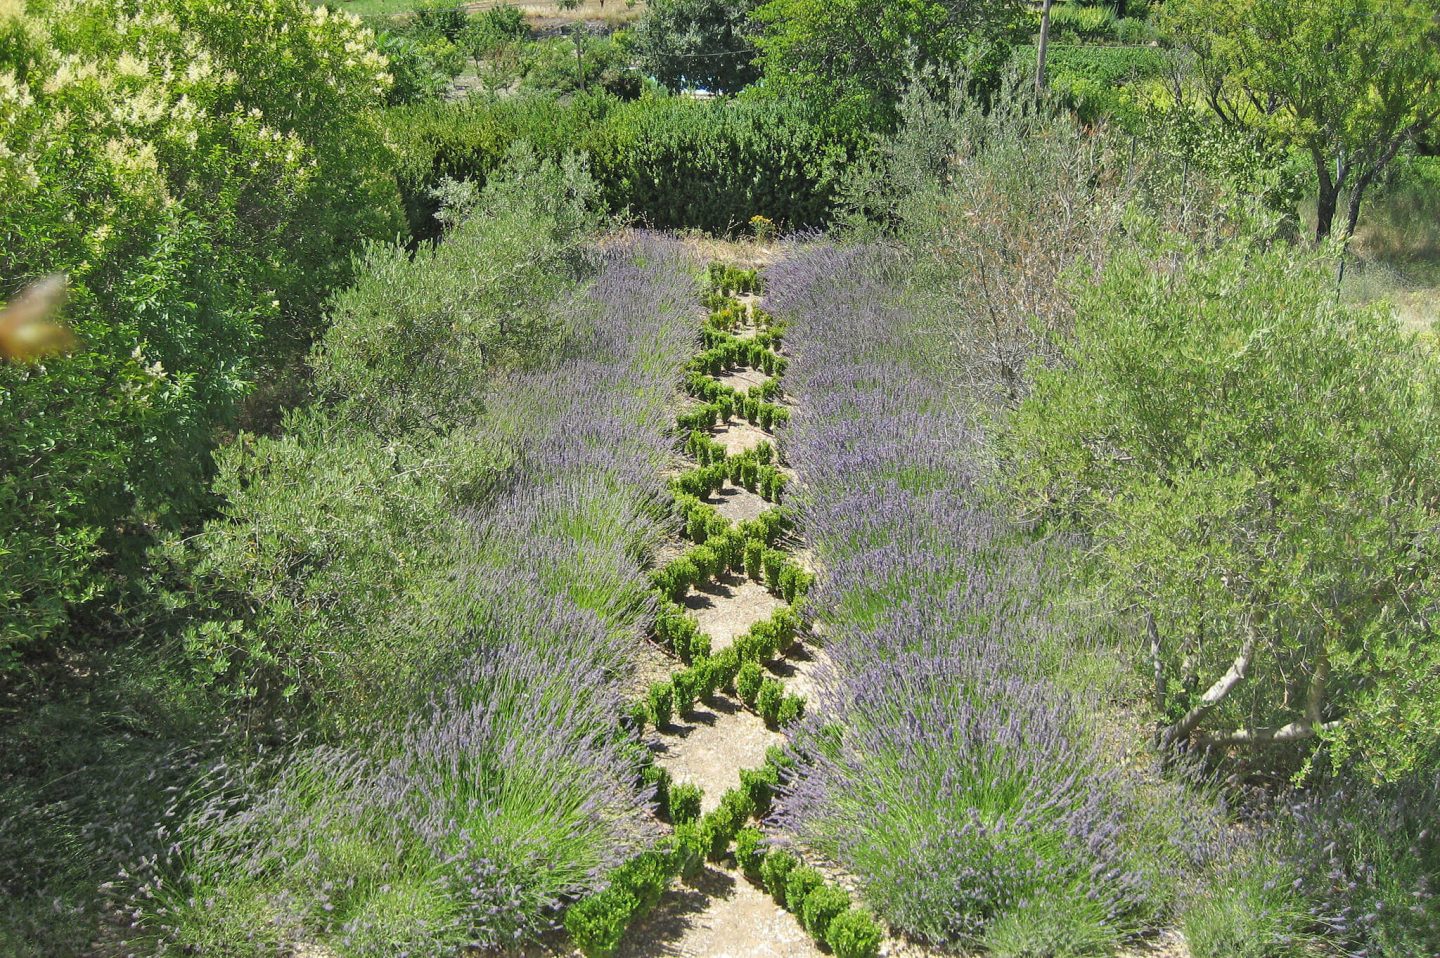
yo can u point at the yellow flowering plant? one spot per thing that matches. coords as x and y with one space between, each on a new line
201 171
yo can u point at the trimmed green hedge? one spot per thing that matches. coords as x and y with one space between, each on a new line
673 162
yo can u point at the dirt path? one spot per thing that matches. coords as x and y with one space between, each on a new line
721 913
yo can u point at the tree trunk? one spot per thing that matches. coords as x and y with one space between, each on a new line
1213 696
1328 201
1043 45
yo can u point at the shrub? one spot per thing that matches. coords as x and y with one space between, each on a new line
769 699
330 838
683 684
1068 926
799 884
708 679
748 682
1252 518
138 147
739 805
760 784
821 906
1250 911
661 700
690 44
684 803
657 777
750 850
754 558
790 709
690 844
716 830
407 340
775 868
597 924
854 934
675 162
551 66
645 877
680 576
712 164
699 646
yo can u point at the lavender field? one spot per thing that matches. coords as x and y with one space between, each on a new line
733 479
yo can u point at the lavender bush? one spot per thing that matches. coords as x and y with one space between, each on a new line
942 767
504 798
504 794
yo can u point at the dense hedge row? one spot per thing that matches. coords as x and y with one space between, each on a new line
672 162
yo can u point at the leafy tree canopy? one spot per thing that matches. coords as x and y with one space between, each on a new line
1348 82
689 44
855 56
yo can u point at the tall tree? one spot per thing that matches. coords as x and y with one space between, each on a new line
855 57
1348 82
697 44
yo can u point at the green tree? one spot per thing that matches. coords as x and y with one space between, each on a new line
1255 463
1347 82
201 171
689 44
855 57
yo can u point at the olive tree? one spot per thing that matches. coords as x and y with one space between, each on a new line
1347 82
1253 463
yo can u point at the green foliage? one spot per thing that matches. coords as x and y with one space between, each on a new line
421 67
470 140
822 906
696 44
673 162
748 681
749 850
769 700
1085 22
646 877
684 803
689 849
1056 926
1250 910
854 934
1291 69
597 924
799 883
579 63
200 171
661 700
295 586
1262 493
1092 79
775 869
713 164
760 784
496 27
853 59
408 340
717 829
790 709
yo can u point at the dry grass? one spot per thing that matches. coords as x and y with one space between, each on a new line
543 14
1394 257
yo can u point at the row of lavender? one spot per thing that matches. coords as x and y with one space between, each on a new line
506 795
942 768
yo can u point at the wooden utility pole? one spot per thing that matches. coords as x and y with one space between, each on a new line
1042 45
